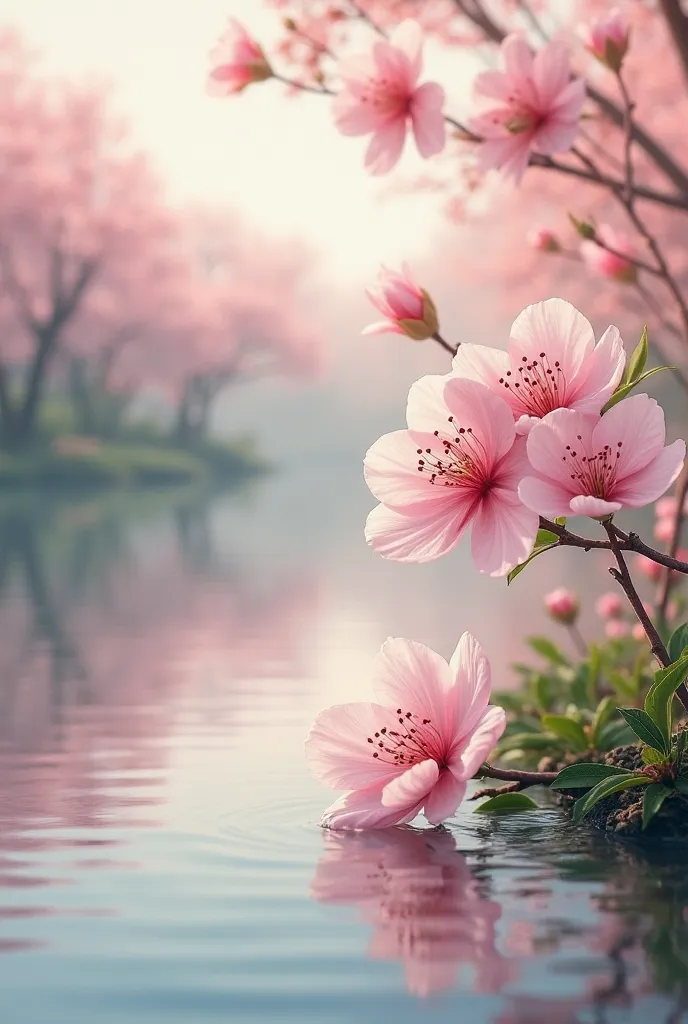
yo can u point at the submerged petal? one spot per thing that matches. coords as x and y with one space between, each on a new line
363 808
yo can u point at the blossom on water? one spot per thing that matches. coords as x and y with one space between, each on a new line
456 465
594 466
553 362
417 748
617 629
381 97
533 105
615 265
543 240
237 61
609 606
562 605
607 38
407 308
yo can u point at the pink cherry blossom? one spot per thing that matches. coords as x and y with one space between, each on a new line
552 363
237 61
607 38
457 464
417 748
609 606
651 570
533 105
613 265
407 308
665 508
664 529
594 466
543 240
381 97
617 629
562 605
638 633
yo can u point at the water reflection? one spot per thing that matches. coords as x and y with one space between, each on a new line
423 902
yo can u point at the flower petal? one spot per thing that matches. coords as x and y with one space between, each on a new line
426 408
490 419
352 117
480 744
427 119
337 749
503 534
408 37
386 147
411 676
405 791
650 483
559 433
444 798
363 808
391 472
472 681
417 538
544 497
634 428
551 73
587 505
556 328
484 364
599 375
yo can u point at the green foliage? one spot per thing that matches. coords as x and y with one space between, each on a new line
653 798
506 803
660 696
636 364
548 649
567 729
604 789
586 775
604 711
646 729
544 541
678 642
624 390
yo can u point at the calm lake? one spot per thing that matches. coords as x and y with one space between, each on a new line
161 659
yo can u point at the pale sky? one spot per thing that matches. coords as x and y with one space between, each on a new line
280 160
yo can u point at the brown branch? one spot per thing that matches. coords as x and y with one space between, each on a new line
665 582
522 778
625 542
445 344
678 27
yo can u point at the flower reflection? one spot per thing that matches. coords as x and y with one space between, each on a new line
425 905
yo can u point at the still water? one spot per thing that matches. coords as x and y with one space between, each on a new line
161 658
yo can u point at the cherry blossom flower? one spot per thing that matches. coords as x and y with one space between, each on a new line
617 629
613 265
666 507
664 530
543 240
417 748
562 605
552 363
381 97
237 61
651 570
533 105
607 38
638 633
407 308
609 606
594 466
457 464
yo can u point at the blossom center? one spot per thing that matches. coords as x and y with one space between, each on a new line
593 475
386 97
413 740
539 385
462 461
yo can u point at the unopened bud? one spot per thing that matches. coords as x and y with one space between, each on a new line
584 228
420 330
543 240
290 25
563 606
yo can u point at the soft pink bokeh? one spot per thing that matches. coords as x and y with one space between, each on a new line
614 265
609 606
562 605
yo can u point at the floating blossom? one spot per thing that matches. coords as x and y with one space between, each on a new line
533 105
609 606
407 308
456 465
562 605
607 38
613 265
594 466
617 629
381 97
417 748
543 240
552 363
237 61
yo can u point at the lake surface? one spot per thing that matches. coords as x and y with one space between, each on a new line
161 659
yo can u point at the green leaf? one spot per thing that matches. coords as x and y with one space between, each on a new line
680 748
615 734
624 686
678 642
548 649
636 364
543 542
653 798
569 730
506 803
586 775
604 789
542 686
560 520
645 728
509 700
652 756
681 785
529 741
660 696
625 389
603 713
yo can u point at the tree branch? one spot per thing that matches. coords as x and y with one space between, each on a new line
678 28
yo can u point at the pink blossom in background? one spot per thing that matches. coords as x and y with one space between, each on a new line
562 605
456 465
613 265
664 530
665 508
594 466
638 633
617 629
609 606
418 747
553 362
407 308
651 570
237 61
607 38
381 97
533 105
543 240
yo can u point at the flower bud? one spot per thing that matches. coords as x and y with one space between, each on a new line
543 240
562 605
408 309
614 264
609 606
237 61
607 39
290 25
584 228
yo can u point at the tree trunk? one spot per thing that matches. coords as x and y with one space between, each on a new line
81 397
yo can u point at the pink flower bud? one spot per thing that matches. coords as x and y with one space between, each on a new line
543 240
562 605
237 61
664 529
407 307
648 568
613 265
609 606
617 629
638 633
607 39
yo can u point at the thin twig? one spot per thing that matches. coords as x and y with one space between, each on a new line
625 542
524 779
445 344
666 580
321 90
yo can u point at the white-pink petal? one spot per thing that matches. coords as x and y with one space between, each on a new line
480 744
635 429
411 676
363 809
412 786
650 482
337 748
444 798
417 538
